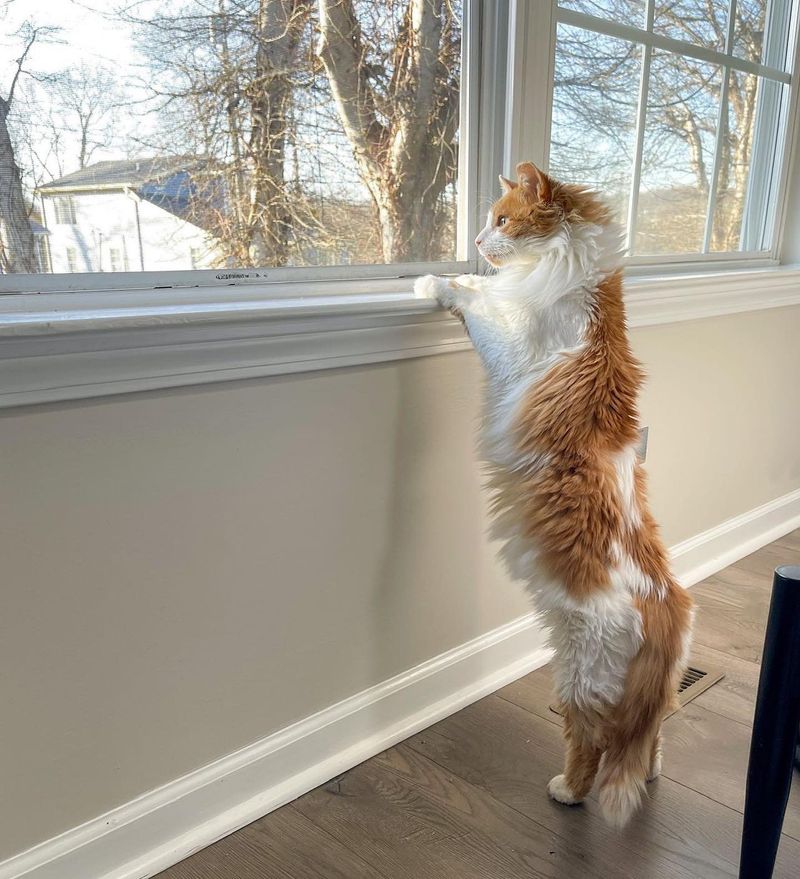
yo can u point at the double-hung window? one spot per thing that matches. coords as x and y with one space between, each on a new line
678 110
287 147
239 142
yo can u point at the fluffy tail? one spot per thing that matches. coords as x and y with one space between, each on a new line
633 748
626 766
633 745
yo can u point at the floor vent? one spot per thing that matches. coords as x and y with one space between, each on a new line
694 682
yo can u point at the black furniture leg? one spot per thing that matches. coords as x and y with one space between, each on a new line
769 773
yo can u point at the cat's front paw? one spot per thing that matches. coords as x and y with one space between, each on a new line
443 290
428 287
559 790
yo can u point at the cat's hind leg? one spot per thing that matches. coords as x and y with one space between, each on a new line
582 760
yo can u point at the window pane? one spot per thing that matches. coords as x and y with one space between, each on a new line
678 154
594 112
626 11
748 155
761 33
700 22
179 134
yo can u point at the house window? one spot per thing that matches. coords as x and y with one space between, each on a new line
72 259
195 257
42 253
64 208
115 259
677 109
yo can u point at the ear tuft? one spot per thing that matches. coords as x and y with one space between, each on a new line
536 182
507 184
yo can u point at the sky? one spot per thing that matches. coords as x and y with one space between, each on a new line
84 31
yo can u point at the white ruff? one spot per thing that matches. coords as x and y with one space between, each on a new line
523 321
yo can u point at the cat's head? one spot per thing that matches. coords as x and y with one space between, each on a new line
532 213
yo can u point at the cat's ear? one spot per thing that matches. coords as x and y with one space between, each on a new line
535 182
507 184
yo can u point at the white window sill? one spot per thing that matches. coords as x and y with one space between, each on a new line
66 346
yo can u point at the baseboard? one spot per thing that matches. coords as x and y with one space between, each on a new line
711 551
166 825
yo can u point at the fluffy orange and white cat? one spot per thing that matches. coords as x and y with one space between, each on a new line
560 436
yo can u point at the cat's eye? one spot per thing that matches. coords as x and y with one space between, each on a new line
501 221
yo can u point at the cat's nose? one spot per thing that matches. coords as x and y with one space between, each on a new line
479 240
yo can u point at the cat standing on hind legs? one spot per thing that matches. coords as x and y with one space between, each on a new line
568 492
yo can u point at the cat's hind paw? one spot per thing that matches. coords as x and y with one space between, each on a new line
559 790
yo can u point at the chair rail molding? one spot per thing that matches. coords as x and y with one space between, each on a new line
73 346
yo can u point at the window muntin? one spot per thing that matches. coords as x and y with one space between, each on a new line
711 120
370 177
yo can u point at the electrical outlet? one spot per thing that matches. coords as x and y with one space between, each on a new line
641 448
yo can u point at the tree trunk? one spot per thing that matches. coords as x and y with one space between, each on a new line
17 253
279 26
407 160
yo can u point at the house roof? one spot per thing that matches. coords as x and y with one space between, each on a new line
166 182
121 173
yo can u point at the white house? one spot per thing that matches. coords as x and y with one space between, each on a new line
129 215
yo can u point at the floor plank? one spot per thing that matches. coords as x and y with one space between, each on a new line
387 821
282 845
734 696
731 614
534 693
763 562
790 541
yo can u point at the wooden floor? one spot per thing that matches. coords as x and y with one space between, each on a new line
466 798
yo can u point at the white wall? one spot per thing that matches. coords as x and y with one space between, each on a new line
187 571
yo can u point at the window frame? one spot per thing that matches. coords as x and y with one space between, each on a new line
641 264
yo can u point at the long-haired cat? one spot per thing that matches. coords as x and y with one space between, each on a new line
560 436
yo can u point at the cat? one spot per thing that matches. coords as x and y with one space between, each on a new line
559 437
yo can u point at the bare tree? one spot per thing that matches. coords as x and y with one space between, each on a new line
86 98
17 251
225 75
399 110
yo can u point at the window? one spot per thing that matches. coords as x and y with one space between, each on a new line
115 259
64 209
42 254
678 109
259 138
72 259
196 257
246 142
